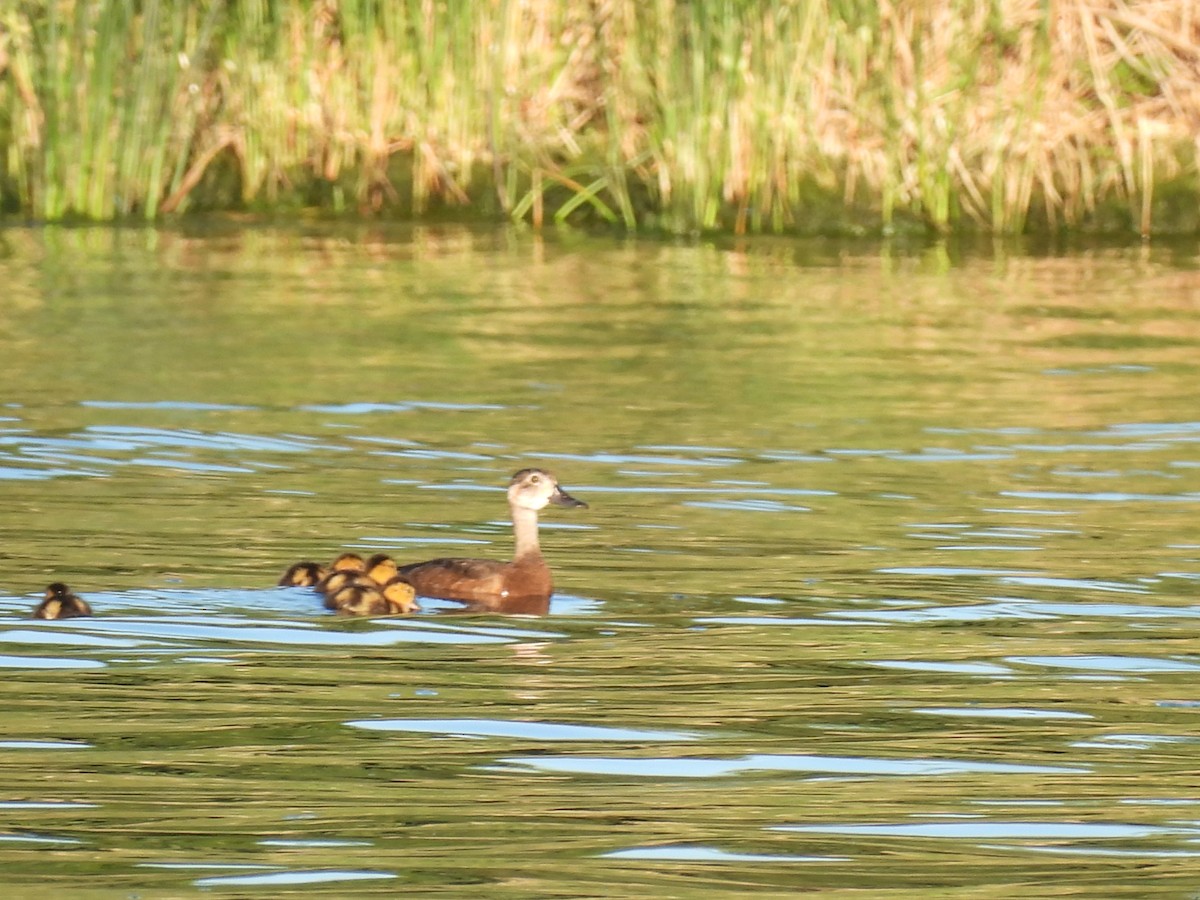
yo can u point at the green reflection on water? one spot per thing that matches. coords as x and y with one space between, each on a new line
832 488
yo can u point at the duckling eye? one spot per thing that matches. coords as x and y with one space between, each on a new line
534 479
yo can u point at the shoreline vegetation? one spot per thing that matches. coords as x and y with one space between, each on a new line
740 116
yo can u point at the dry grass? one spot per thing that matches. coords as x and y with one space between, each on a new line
712 114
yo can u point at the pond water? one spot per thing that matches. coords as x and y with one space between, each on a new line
888 581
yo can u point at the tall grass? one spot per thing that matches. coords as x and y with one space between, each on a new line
681 115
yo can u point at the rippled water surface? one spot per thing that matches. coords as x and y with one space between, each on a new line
888 582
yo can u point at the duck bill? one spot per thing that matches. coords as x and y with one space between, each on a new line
562 498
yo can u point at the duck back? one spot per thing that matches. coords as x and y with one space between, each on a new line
482 582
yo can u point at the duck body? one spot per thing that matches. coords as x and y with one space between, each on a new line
60 603
523 585
481 581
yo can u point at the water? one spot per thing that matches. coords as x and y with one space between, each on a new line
888 580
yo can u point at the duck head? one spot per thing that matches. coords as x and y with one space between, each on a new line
535 489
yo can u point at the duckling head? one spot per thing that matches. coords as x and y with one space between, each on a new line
303 574
349 562
535 489
401 597
381 568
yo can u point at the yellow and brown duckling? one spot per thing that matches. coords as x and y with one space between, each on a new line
349 562
303 574
381 568
60 603
340 580
392 599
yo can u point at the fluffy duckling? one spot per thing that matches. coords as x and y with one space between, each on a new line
303 574
339 580
401 595
60 603
393 599
349 562
381 568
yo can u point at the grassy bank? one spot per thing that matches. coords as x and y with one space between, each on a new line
741 115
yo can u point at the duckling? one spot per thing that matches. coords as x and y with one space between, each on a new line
339 580
349 562
401 596
381 568
303 574
524 583
395 598
60 603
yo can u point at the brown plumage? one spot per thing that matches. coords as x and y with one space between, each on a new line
393 599
303 574
523 585
60 603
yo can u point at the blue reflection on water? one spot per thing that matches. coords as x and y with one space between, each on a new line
292 877
1138 664
1000 712
532 731
975 830
695 853
715 768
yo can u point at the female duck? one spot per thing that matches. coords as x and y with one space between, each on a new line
60 603
523 585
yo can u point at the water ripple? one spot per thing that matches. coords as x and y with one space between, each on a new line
692 767
976 830
1105 496
529 731
697 853
184 405
932 665
292 877
48 662
26 838
1122 664
1000 712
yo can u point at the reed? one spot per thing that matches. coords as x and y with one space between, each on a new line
705 115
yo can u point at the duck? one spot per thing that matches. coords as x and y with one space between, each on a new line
523 585
303 574
394 598
60 603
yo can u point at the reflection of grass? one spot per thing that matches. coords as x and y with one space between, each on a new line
730 115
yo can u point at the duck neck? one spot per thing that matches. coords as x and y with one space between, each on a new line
525 533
